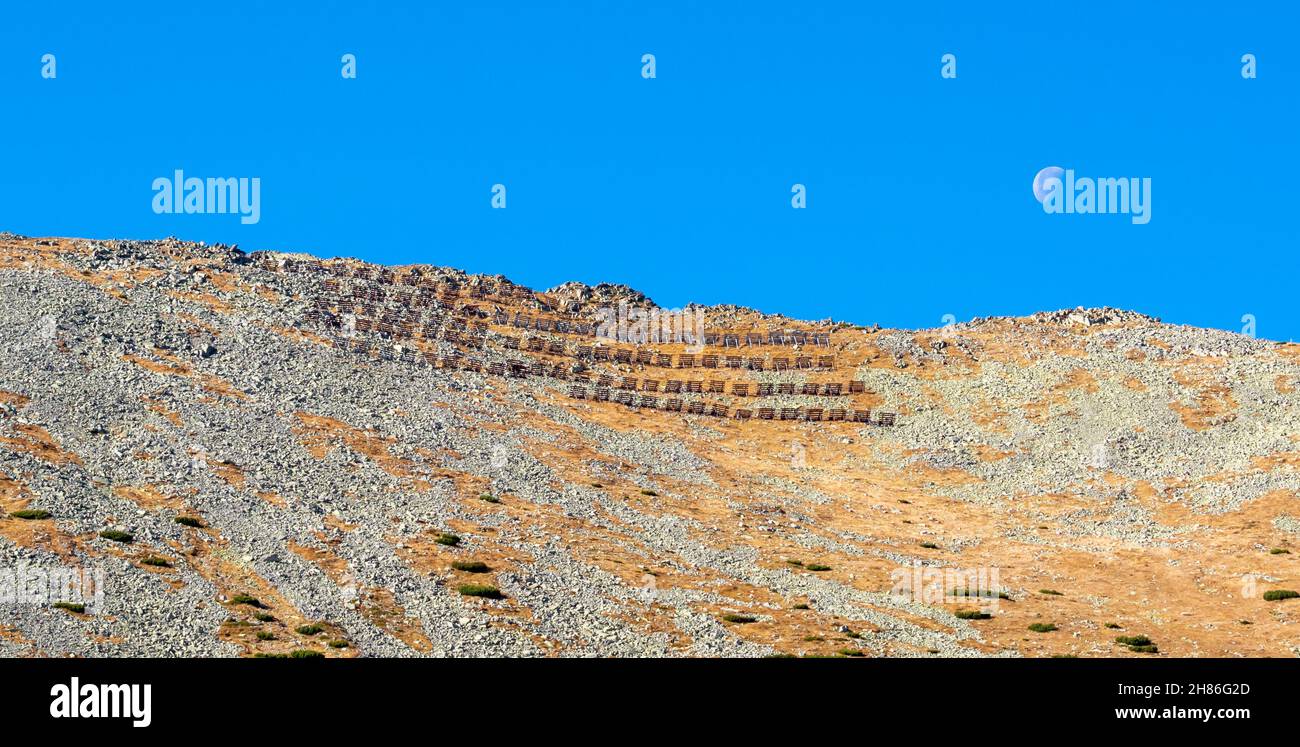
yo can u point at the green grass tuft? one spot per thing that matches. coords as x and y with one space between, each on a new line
1051 592
929 546
850 652
480 590
1042 627
470 566
1277 595
190 521
1279 551
649 493
70 606
31 514
972 615
489 498
800 606
731 617
338 644
246 599
117 535
157 562
304 653
265 635
264 617
309 629
447 538
817 567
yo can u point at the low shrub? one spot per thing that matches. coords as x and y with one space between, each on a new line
117 535
190 521
1042 627
309 629
30 514
1133 640
157 562
248 600
470 566
70 606
972 615
447 538
1277 595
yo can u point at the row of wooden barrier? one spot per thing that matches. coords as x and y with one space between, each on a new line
737 388
712 339
339 277
717 409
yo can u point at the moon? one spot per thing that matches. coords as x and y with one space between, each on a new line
1040 180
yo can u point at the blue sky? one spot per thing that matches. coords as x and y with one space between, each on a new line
919 188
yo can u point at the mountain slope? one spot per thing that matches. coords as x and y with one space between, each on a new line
344 433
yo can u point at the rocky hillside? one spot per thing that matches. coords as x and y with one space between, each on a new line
269 453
